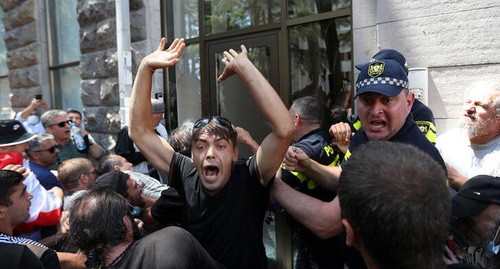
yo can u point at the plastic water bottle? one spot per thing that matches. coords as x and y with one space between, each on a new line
77 137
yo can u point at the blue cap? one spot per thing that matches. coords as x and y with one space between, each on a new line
386 74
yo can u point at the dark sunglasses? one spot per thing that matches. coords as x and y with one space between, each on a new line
62 123
221 121
51 149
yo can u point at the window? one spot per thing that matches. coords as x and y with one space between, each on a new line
64 53
5 110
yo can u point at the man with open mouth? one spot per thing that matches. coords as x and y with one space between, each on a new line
224 199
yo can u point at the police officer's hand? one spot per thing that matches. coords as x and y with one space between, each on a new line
296 160
341 134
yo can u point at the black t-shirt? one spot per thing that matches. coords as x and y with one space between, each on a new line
15 256
125 147
229 223
171 247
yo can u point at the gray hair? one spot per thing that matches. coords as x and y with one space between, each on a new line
47 117
491 88
36 144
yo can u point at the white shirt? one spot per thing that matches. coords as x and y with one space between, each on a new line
469 160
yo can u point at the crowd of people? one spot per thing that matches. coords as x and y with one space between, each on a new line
376 192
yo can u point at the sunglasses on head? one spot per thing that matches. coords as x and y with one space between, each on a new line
62 123
51 149
221 121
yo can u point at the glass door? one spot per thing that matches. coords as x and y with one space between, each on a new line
231 99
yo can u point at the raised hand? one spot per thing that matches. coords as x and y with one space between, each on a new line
162 58
231 60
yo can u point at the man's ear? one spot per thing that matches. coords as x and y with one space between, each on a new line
2 211
236 154
117 167
349 231
296 119
410 100
83 179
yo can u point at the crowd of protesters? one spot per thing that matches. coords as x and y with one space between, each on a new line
376 192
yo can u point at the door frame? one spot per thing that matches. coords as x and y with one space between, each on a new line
209 94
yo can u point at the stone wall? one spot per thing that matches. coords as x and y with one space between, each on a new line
27 66
456 40
99 64
26 43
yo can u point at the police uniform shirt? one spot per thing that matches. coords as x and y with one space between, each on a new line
409 134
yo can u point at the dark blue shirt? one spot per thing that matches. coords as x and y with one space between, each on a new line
46 178
409 134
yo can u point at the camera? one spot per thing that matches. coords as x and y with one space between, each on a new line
38 97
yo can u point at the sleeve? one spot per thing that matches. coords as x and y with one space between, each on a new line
424 118
125 147
18 256
168 209
50 260
45 209
47 256
29 260
19 118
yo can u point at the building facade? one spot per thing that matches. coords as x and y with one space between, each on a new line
83 54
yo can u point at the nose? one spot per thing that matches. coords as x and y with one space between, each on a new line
470 110
377 107
210 152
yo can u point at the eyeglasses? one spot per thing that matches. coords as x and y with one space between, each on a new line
221 121
62 123
51 149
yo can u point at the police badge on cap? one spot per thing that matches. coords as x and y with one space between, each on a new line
376 69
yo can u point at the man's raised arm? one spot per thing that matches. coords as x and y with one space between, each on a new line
141 129
272 150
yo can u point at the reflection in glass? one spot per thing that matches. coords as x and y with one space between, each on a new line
300 8
320 61
188 90
5 109
67 82
65 32
3 50
186 18
229 15
235 103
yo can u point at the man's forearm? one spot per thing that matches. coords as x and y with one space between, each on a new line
140 104
273 148
321 218
324 175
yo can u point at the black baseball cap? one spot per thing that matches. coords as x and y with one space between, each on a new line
12 133
475 195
